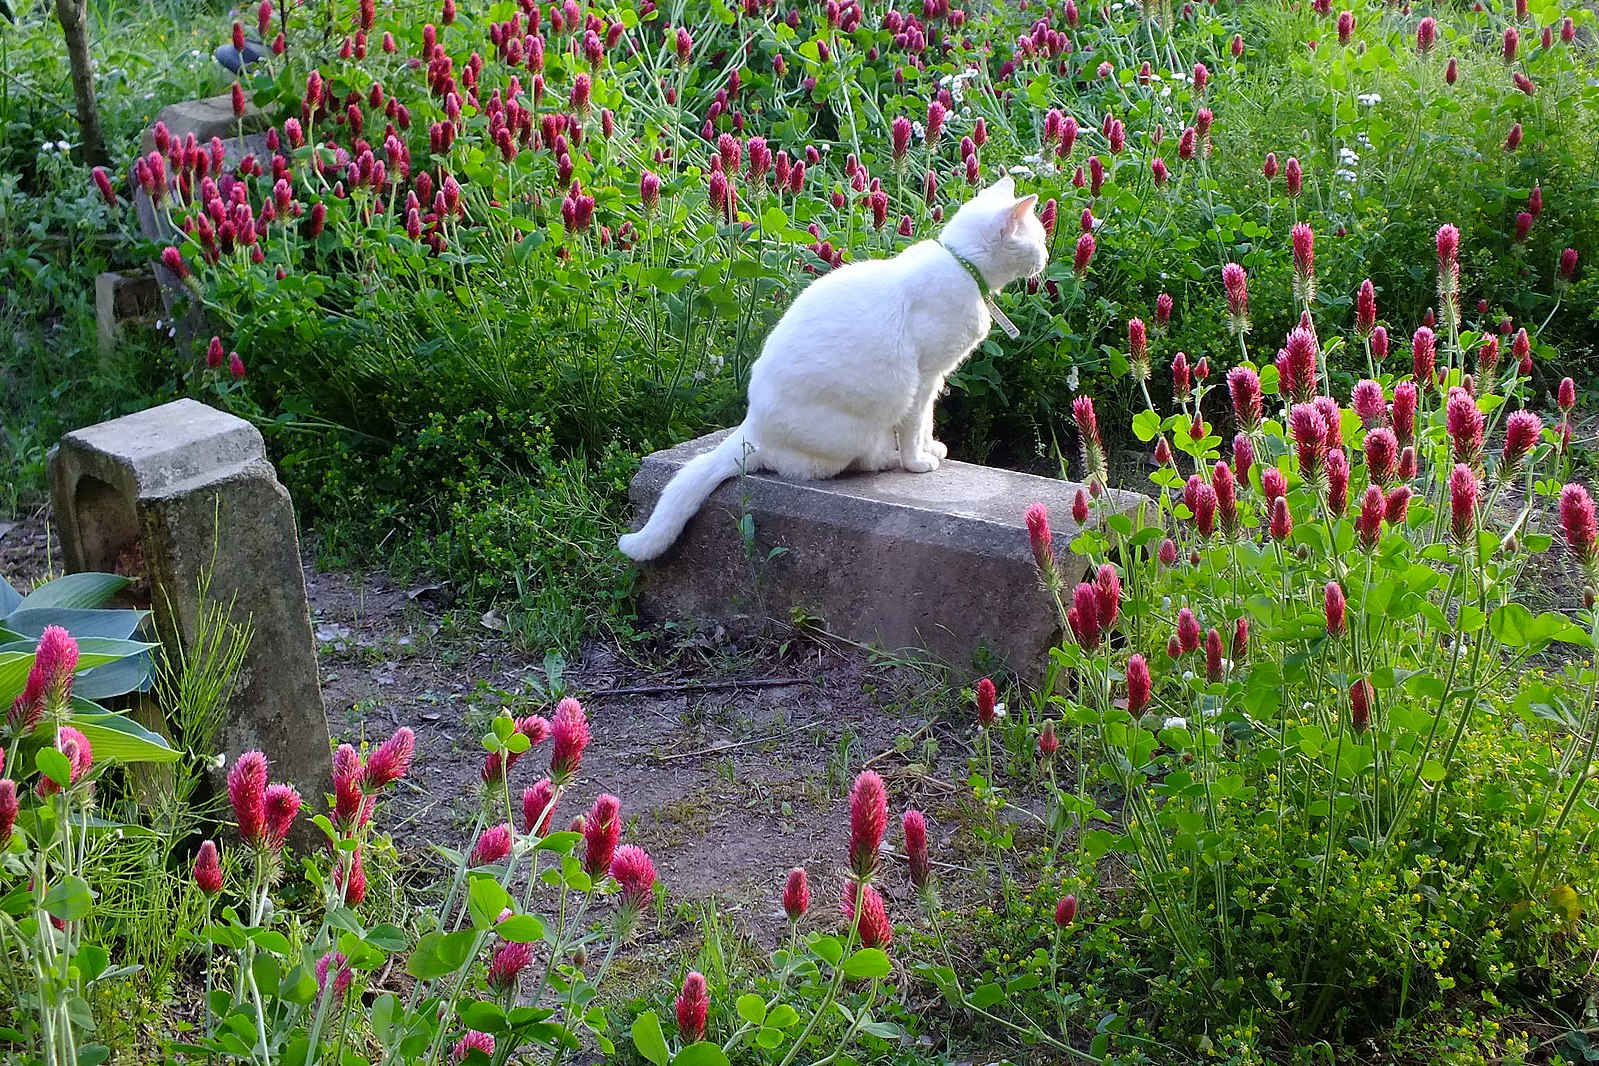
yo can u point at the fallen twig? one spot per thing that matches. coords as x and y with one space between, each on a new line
717 749
920 732
704 686
925 778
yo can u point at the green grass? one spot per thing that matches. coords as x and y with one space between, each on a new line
55 234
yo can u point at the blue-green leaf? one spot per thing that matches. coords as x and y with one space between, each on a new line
116 737
92 651
79 621
9 598
14 667
75 590
135 673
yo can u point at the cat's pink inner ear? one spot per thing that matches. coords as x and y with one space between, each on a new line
1021 209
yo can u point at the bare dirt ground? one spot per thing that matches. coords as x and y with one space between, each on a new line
732 760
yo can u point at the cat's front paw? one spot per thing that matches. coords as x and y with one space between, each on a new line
920 464
938 449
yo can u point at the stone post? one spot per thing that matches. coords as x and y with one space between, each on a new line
189 488
206 118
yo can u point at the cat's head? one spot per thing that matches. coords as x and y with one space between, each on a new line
1001 230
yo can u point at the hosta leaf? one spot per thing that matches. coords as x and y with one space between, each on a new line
135 673
92 651
9 598
121 739
75 590
14 667
95 824
79 621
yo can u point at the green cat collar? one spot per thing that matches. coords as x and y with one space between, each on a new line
982 288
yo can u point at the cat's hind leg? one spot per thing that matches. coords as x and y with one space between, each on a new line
882 455
802 466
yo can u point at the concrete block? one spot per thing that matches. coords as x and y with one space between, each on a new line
121 298
937 562
205 118
189 488
211 116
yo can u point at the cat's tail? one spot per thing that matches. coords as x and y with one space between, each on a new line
685 493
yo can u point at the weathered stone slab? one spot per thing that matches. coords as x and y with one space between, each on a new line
936 561
205 118
120 299
211 116
189 489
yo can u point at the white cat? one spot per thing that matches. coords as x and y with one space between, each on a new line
848 377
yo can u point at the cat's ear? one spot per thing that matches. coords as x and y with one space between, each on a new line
1019 210
1005 187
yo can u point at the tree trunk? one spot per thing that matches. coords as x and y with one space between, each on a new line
74 16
